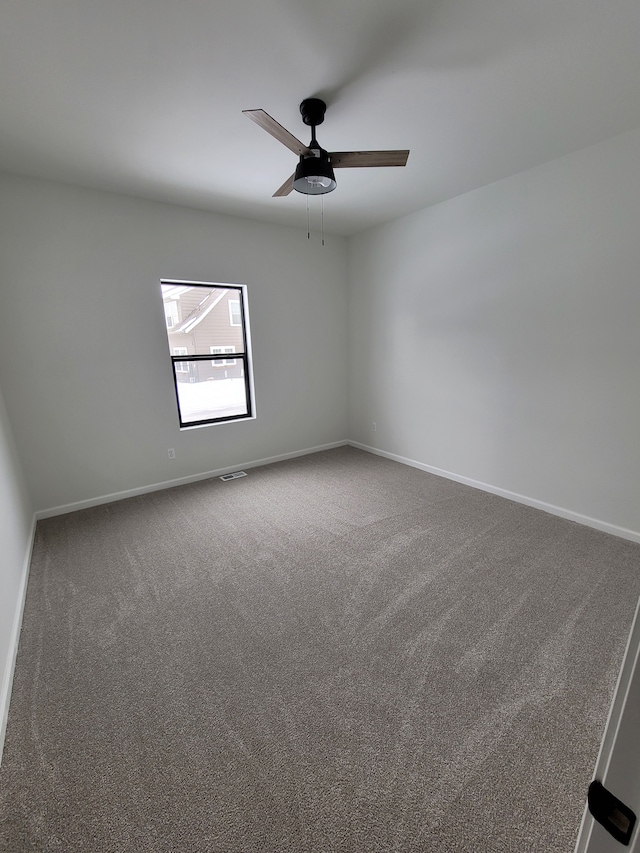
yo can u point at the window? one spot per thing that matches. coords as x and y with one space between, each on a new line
181 366
171 313
209 319
219 362
235 314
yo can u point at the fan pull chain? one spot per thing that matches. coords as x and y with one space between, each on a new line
308 221
322 217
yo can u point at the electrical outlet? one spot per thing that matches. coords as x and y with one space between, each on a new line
373 427
172 453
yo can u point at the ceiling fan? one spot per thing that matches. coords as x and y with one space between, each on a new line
314 174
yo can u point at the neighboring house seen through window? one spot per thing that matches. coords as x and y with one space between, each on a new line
203 320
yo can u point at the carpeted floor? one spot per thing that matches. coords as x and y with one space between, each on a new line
335 653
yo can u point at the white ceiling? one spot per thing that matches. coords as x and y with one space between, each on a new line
146 96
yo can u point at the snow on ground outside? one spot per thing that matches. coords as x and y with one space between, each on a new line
215 398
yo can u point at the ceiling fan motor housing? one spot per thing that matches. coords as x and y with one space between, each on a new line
312 111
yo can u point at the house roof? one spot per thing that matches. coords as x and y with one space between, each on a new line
146 98
198 314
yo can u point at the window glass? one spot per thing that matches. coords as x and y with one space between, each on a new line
202 398
205 320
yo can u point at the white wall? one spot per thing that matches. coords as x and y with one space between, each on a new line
84 361
493 336
16 536
497 336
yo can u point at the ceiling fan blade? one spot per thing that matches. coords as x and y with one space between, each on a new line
355 159
276 130
286 188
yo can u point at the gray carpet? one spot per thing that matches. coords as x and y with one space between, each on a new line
336 653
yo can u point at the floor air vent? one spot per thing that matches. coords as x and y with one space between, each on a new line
234 476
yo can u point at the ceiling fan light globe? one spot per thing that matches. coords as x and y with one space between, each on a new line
314 176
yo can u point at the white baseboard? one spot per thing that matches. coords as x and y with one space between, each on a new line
605 526
597 524
181 481
10 663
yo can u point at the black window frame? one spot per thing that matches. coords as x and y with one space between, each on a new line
243 357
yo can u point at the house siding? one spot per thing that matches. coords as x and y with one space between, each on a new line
213 330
